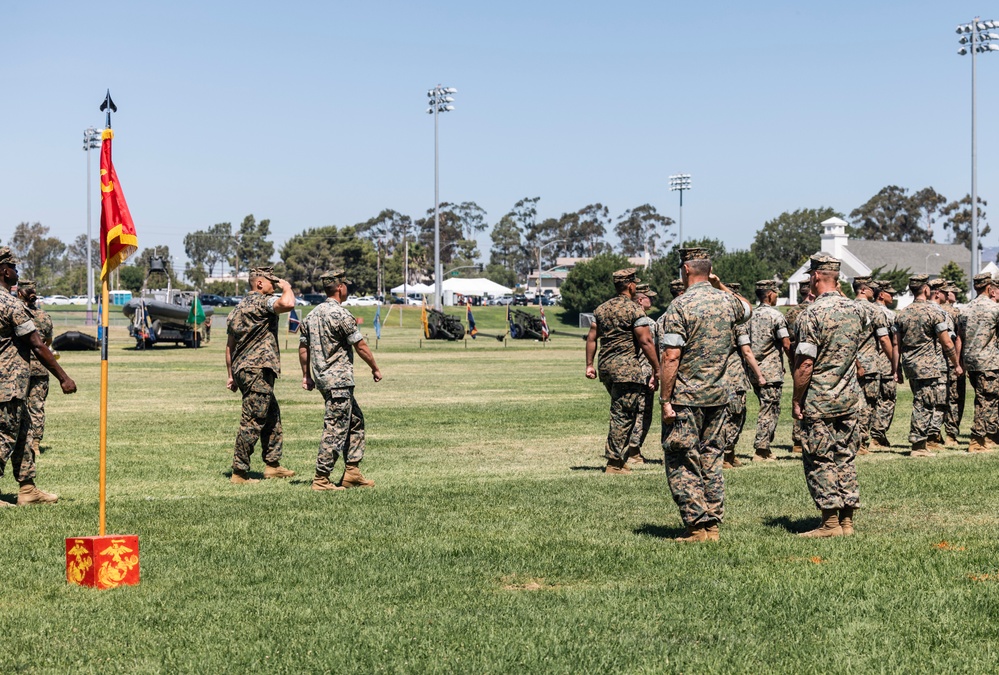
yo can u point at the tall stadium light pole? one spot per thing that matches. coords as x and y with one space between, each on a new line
976 38
440 102
541 248
681 182
91 141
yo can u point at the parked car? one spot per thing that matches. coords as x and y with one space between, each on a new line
520 300
232 300
78 300
300 301
314 298
503 300
213 300
56 300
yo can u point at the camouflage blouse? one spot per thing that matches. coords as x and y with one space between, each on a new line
15 324
254 325
620 357
43 322
869 348
330 332
918 326
979 328
883 362
736 371
700 323
830 330
767 330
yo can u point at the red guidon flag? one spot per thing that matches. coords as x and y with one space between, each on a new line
118 240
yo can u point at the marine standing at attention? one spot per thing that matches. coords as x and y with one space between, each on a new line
888 367
742 372
792 329
875 340
253 362
622 329
326 353
38 384
18 337
770 340
925 348
979 330
697 344
643 296
827 397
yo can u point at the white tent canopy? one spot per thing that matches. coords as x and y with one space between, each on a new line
413 288
474 287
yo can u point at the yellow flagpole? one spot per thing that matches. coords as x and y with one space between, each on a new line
104 399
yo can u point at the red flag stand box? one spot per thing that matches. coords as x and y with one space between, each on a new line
103 562
107 561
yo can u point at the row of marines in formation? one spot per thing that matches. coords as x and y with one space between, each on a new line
710 347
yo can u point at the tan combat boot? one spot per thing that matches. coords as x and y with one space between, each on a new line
29 494
830 526
933 446
991 441
919 450
796 449
637 458
4 503
352 478
846 520
977 444
242 478
881 441
695 534
277 471
616 466
713 533
862 450
764 456
950 442
320 483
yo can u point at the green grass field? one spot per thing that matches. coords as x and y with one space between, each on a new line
491 543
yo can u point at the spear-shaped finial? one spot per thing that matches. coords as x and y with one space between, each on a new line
108 106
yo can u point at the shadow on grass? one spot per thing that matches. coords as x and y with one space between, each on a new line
259 475
659 531
794 525
599 467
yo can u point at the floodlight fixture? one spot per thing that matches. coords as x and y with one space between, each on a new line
679 182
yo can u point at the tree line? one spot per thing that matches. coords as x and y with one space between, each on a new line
375 250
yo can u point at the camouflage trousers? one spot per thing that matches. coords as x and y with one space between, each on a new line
986 386
261 418
14 423
693 457
766 424
736 421
646 409
625 400
929 400
343 431
871 387
38 391
796 432
885 412
829 447
956 390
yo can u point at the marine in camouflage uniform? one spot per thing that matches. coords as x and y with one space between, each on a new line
978 327
18 338
698 342
956 384
924 342
769 340
676 289
254 363
622 330
741 372
884 414
38 383
827 397
643 296
949 427
875 342
326 353
792 328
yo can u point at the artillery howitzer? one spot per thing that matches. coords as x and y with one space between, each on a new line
440 326
526 326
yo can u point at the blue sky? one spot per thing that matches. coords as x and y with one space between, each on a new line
312 114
